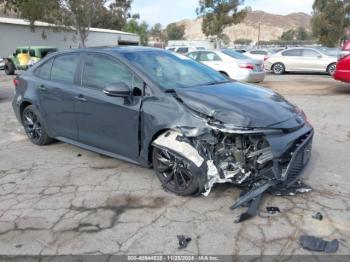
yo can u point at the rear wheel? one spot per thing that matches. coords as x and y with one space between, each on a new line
331 69
278 69
175 173
9 68
35 127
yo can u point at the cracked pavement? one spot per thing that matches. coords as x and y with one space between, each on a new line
60 199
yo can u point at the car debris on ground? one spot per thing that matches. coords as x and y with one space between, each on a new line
313 243
183 241
317 216
273 210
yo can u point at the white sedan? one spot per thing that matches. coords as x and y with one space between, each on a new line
232 64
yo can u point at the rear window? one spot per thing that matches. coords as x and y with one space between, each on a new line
63 68
293 52
44 71
258 52
234 54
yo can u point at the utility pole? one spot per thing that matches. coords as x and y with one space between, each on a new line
259 27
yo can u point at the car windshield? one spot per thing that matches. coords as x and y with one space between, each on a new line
173 71
234 54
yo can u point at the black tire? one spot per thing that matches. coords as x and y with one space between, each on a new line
176 174
9 68
35 127
331 69
278 69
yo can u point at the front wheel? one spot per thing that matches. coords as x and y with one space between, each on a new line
278 69
176 174
331 69
35 127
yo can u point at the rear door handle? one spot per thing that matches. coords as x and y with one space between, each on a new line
80 98
42 87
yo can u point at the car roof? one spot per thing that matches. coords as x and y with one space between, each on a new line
108 49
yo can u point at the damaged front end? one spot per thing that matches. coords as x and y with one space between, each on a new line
256 160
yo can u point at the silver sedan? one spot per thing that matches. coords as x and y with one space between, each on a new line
302 60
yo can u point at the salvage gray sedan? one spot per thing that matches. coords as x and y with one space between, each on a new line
155 108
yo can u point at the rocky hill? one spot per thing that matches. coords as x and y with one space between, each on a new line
271 25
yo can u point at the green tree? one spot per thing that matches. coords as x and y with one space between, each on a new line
330 21
113 15
133 26
288 35
175 31
219 14
158 33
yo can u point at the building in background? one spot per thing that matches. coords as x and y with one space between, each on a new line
17 32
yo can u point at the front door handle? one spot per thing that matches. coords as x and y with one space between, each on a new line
80 98
42 87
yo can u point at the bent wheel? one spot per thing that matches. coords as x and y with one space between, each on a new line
175 173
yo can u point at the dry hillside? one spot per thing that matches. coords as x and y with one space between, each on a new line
272 26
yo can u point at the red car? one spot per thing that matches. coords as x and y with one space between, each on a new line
342 72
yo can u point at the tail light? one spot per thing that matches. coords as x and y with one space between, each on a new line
15 82
247 66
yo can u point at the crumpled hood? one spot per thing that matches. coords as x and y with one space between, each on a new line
242 105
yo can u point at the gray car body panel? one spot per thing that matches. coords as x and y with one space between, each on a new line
133 126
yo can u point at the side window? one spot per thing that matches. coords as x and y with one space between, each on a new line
182 50
44 71
63 68
293 52
208 57
193 55
100 71
310 53
32 52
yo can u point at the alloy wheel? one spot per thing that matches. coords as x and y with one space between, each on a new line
174 171
331 69
278 68
32 125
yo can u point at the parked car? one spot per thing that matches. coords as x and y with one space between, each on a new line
184 49
231 64
154 108
2 63
342 71
24 57
259 54
301 60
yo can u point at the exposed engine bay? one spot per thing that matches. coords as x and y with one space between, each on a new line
246 158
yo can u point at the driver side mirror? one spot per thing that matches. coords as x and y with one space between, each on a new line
119 89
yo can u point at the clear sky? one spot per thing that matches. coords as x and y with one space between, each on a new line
167 11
